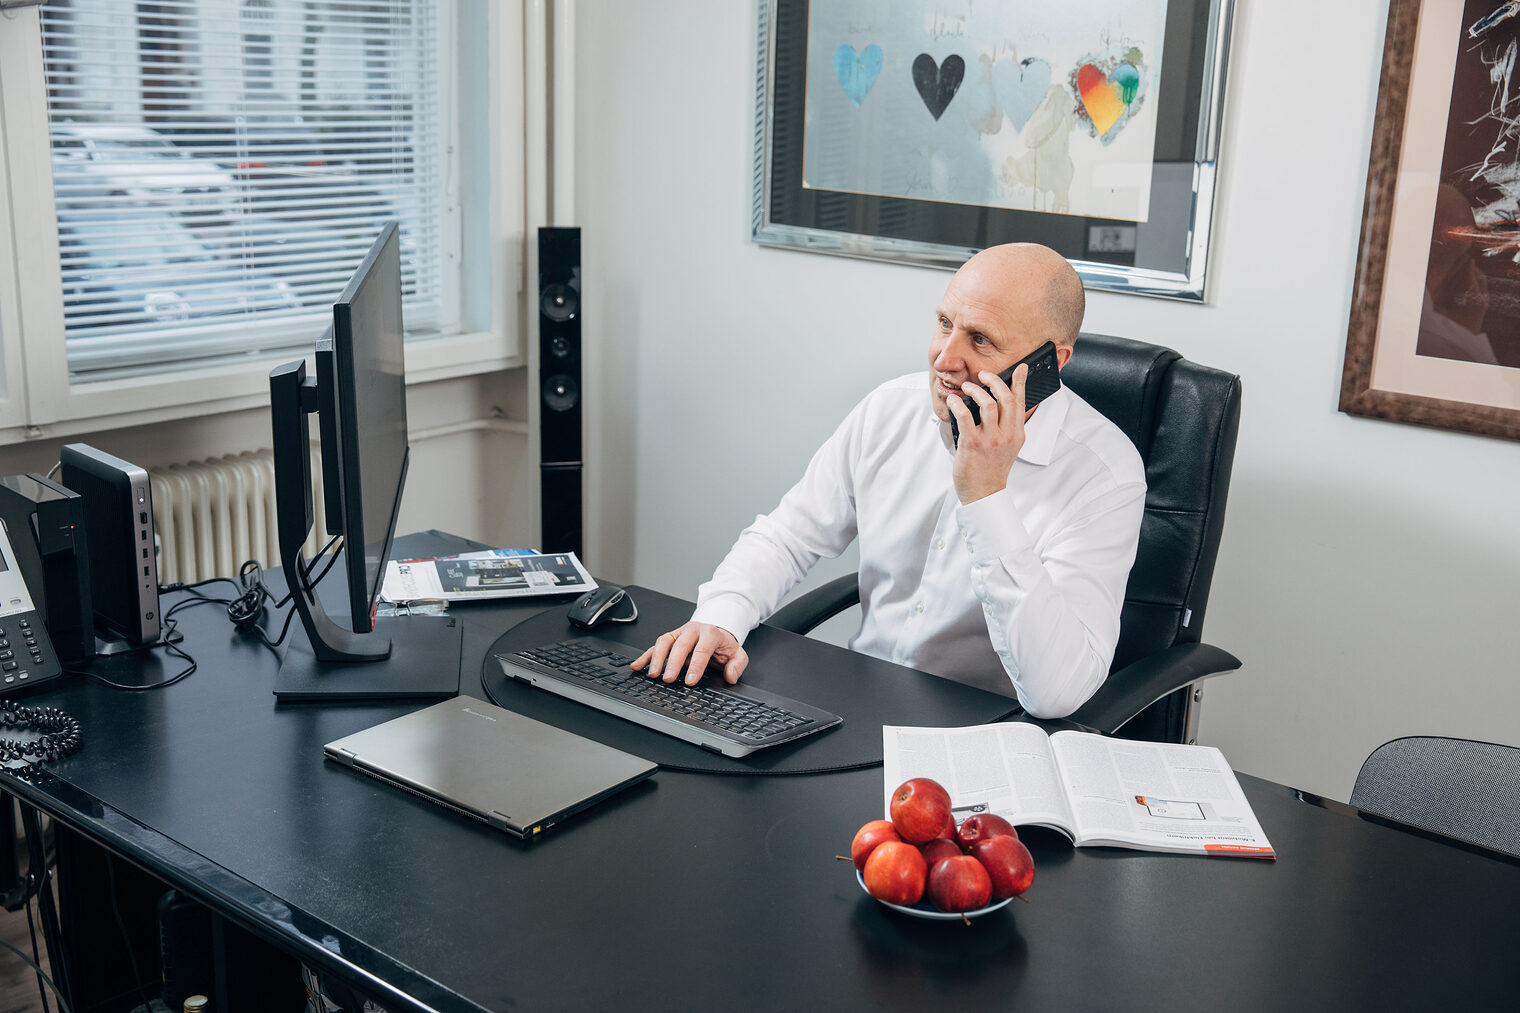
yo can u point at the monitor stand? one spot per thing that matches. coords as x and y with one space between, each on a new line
426 652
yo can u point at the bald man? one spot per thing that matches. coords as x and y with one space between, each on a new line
999 561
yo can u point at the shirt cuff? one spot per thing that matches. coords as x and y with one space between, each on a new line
733 616
992 528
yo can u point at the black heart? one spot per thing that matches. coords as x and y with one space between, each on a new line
937 85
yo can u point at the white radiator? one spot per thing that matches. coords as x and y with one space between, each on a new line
211 516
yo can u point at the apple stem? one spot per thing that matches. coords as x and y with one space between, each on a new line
965 919
844 858
1021 897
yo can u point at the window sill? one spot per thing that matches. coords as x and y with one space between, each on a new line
115 404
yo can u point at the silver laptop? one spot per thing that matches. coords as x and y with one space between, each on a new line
514 773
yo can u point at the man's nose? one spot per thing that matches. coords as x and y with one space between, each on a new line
952 354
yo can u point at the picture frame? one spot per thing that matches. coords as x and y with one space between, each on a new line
1159 246
1431 224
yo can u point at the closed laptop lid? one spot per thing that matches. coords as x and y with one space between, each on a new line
513 772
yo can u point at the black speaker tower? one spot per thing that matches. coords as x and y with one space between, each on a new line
559 388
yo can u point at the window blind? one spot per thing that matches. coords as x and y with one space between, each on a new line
220 167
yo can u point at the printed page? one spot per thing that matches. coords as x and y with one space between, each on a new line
495 573
1006 769
1156 796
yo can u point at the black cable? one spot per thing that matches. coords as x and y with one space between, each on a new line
244 611
121 923
36 961
169 626
311 585
58 734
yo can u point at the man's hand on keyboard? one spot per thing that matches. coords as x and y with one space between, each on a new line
698 643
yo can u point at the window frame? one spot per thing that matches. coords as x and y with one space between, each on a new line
37 396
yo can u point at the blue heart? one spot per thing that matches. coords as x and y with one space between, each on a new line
1020 88
857 73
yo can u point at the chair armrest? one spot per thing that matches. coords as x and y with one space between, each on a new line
1135 687
817 605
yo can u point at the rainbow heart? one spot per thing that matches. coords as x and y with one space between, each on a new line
1107 96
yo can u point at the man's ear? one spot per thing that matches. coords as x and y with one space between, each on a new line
1063 355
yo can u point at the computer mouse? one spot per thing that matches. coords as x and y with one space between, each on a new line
606 603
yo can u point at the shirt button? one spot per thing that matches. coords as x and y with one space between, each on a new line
940 544
919 607
987 609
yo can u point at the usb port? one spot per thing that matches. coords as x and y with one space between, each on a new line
145 571
145 553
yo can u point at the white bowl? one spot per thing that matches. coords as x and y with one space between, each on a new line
926 910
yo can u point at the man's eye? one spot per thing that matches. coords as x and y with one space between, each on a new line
980 339
944 323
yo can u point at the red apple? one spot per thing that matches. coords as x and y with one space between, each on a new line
867 838
938 848
960 883
947 832
980 827
919 809
1008 862
895 872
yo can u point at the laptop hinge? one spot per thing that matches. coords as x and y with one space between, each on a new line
344 756
498 820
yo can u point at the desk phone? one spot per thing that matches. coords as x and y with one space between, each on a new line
26 654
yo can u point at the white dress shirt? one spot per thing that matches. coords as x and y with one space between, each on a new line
1018 592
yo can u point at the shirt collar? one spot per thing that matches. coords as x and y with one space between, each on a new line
1044 426
1040 431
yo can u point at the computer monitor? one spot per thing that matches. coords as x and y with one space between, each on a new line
370 379
359 395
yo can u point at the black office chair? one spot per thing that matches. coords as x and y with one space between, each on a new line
1184 419
1456 787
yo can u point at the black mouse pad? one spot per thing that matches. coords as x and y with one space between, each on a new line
866 692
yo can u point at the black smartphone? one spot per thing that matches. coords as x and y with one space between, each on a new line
1044 379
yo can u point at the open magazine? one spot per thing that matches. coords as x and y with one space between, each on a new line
493 573
1093 789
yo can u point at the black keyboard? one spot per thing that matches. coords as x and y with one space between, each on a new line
734 720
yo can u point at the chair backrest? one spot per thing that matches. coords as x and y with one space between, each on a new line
1458 787
1184 419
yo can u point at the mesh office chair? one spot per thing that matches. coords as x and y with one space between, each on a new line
1184 419
1457 787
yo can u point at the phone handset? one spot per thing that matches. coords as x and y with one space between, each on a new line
1044 379
26 652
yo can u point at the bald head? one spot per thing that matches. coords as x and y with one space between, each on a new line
1002 305
1036 283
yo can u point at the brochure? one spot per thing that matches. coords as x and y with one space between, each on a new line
494 573
1094 789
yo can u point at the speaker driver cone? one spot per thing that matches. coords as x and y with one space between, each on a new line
561 392
559 302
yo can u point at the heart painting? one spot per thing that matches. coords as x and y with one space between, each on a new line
857 73
1106 97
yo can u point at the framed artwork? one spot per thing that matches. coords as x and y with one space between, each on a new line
1434 334
923 132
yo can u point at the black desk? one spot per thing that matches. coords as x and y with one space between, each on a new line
701 891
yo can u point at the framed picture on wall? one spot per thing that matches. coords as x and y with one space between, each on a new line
1434 334
922 132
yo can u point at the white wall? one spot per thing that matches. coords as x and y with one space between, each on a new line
1368 575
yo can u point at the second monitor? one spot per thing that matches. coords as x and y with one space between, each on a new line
359 395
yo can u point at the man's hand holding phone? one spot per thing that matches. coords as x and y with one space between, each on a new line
985 452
